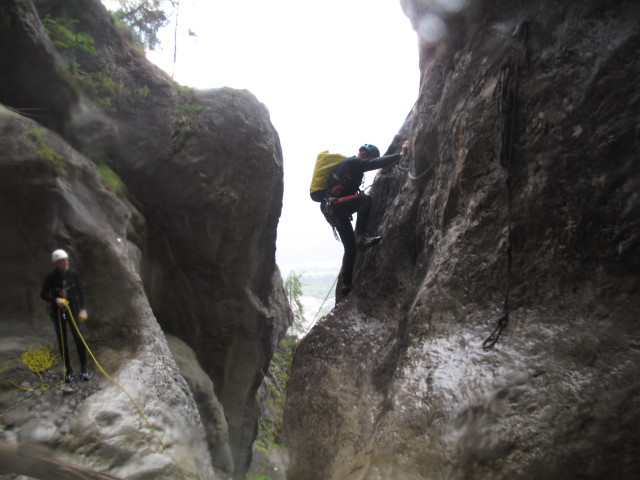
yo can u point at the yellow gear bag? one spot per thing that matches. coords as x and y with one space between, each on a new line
325 163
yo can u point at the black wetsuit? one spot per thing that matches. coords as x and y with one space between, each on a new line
346 199
67 285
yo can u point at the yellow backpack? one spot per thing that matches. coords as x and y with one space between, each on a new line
325 163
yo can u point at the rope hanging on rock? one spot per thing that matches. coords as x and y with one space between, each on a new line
507 106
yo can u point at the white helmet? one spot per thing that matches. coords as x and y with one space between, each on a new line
58 255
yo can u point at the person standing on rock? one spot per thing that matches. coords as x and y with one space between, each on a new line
345 198
62 288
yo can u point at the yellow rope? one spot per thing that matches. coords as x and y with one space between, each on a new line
142 415
62 343
39 358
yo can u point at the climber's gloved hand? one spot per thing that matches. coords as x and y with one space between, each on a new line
82 316
62 302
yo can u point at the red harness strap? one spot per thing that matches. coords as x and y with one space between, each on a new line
345 199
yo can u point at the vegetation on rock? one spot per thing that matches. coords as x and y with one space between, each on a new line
111 180
146 18
270 433
45 152
60 30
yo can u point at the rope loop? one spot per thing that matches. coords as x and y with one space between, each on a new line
492 339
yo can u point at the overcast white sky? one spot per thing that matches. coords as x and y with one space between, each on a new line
334 74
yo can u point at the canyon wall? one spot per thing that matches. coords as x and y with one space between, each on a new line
493 332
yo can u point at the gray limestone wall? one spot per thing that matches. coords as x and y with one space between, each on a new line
518 202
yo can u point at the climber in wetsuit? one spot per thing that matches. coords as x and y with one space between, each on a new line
346 198
63 287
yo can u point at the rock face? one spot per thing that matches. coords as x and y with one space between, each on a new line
187 247
65 203
518 203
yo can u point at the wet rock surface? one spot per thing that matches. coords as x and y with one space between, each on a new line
38 410
395 383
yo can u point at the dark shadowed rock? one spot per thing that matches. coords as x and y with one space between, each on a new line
210 409
395 383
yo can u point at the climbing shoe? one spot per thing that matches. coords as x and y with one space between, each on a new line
365 241
85 374
68 376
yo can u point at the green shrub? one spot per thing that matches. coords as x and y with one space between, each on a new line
146 19
190 110
188 116
108 84
185 92
263 441
270 425
111 180
127 33
143 92
61 34
45 152
98 85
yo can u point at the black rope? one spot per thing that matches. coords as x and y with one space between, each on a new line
507 107
495 335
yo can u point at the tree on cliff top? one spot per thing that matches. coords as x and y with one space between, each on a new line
293 290
146 17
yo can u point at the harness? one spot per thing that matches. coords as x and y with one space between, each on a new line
333 197
327 207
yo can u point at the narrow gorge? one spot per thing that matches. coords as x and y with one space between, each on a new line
492 334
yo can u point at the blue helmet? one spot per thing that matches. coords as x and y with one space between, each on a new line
370 149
